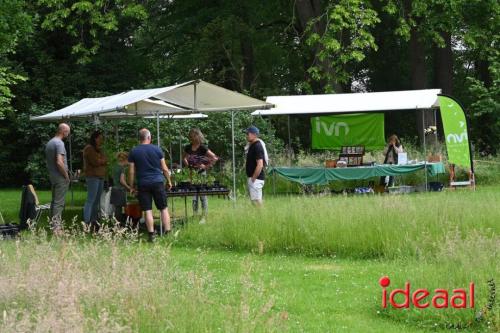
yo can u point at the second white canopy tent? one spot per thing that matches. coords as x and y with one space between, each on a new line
184 99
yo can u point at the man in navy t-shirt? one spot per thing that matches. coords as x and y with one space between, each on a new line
148 162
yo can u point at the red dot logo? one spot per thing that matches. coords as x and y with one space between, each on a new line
384 281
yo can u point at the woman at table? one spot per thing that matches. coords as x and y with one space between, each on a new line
199 159
94 165
391 152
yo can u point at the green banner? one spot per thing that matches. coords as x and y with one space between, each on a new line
455 132
333 132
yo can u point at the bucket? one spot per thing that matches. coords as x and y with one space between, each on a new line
133 210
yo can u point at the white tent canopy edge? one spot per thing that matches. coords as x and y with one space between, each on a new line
190 97
352 102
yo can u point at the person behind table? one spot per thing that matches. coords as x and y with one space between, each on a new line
57 165
94 166
391 152
149 163
120 186
255 162
198 158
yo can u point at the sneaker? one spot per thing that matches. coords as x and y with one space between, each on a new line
203 221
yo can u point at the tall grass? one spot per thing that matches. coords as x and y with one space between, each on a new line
447 240
111 284
348 226
435 240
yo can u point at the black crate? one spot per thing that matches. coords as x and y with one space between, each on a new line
9 231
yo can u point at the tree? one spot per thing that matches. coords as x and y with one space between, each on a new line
480 38
244 46
15 26
341 36
86 22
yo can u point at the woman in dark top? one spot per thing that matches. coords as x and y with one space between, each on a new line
391 152
199 159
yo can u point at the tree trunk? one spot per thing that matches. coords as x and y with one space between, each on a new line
418 72
443 73
443 65
306 11
417 61
483 72
248 70
419 79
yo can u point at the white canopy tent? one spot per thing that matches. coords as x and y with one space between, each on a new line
115 106
406 100
352 103
190 97
183 99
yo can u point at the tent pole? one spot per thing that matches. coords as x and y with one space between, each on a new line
436 131
425 150
70 151
170 153
195 104
158 134
116 136
180 149
158 127
274 183
289 144
234 159
71 165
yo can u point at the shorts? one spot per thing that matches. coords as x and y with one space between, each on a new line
255 189
148 193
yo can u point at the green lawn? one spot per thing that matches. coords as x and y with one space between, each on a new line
300 264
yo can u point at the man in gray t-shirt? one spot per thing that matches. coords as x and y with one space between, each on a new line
57 165
53 148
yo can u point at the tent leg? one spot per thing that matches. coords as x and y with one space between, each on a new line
234 159
158 127
170 153
425 150
274 183
435 132
71 167
289 144
116 136
180 150
158 134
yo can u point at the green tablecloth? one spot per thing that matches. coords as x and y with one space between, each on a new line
321 176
